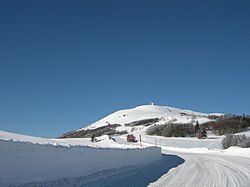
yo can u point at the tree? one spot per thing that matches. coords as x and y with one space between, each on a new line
197 127
200 133
93 139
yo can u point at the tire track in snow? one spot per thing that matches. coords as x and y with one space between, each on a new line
208 170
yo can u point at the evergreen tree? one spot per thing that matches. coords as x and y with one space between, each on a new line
197 127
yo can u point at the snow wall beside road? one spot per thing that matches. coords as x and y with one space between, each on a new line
26 162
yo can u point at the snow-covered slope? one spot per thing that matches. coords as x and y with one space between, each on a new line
164 113
33 161
141 117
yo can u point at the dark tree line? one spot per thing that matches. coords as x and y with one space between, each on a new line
228 124
172 130
177 130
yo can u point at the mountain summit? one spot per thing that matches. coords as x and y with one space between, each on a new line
138 119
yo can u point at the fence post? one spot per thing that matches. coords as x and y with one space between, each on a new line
140 140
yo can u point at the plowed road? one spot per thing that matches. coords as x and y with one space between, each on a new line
207 170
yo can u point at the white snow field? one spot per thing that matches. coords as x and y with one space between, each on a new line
112 162
164 113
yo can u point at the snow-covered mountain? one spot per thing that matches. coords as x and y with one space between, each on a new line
155 161
139 119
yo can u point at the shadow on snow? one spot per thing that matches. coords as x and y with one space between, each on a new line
138 176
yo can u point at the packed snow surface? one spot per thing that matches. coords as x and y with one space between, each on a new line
207 169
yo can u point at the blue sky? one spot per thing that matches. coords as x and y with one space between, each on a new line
65 64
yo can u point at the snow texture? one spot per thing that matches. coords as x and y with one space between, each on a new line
26 162
139 176
210 170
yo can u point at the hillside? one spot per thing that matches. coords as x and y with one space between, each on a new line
138 119
32 161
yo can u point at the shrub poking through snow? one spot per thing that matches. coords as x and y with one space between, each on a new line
235 140
201 134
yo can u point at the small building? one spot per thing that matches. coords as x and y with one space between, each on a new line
131 138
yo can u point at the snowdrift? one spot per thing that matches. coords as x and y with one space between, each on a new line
23 162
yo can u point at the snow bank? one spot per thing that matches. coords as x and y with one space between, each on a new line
237 151
212 142
234 151
27 162
191 150
102 142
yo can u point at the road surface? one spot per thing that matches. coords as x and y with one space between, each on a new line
207 170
